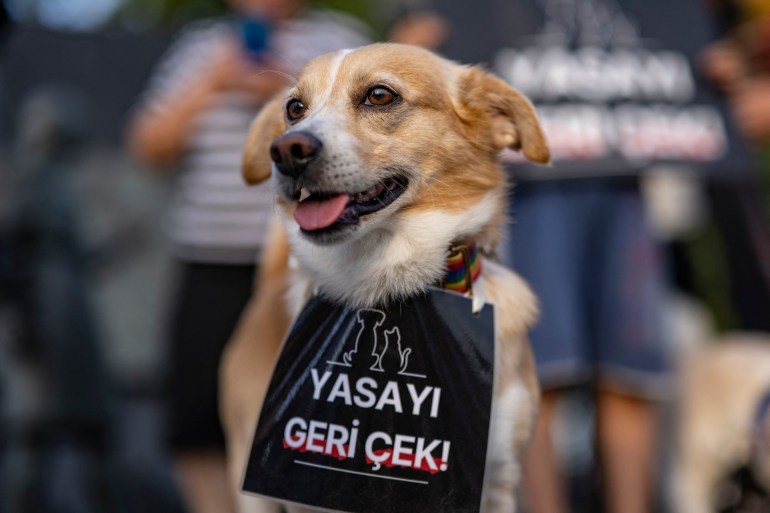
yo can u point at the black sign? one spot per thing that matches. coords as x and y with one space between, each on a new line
379 410
615 82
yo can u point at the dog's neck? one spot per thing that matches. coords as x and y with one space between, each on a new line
394 262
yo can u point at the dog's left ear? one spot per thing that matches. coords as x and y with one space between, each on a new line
266 127
488 103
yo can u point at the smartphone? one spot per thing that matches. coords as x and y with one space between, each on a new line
255 34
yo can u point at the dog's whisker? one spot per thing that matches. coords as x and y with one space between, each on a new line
285 75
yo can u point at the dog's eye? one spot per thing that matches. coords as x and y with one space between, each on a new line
295 109
379 96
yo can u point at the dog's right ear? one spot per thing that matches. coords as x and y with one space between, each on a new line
266 127
501 116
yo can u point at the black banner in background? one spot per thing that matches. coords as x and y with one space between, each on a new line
615 82
379 410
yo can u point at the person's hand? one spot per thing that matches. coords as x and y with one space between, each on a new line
724 64
231 69
159 137
423 28
751 108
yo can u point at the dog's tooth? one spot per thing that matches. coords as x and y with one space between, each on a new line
303 194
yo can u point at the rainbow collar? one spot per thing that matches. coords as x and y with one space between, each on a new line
463 268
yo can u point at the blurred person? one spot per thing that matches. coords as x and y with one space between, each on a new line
735 478
587 251
64 403
739 64
194 119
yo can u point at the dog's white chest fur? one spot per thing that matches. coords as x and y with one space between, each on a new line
392 261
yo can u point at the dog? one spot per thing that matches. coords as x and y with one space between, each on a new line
382 159
724 426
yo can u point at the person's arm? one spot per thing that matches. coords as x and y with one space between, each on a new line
159 132
158 137
421 28
751 108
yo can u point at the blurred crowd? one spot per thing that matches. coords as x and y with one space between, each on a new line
119 287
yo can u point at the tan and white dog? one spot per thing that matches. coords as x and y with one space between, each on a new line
382 159
722 388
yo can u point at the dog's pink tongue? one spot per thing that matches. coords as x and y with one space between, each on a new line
314 215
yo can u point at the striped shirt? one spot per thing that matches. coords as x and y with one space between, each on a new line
214 216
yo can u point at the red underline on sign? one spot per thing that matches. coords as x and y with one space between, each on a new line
298 462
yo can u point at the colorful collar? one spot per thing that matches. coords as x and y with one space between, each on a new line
463 268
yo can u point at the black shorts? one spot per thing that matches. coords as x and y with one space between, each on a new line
208 303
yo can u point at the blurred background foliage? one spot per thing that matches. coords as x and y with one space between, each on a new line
143 15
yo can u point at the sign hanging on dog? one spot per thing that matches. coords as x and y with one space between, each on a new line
379 410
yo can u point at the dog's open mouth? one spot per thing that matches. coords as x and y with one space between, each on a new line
325 212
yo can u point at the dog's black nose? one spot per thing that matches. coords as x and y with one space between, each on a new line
294 151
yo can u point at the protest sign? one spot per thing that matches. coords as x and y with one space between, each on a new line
379 410
616 83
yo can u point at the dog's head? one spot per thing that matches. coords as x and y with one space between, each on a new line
369 137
